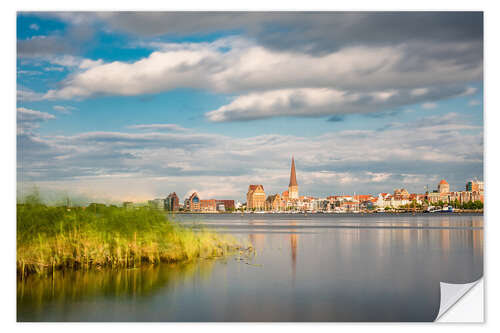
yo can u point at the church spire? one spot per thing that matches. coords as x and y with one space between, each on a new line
293 177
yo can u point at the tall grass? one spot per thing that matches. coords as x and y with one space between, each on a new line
55 238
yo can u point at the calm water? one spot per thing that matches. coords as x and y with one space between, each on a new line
306 268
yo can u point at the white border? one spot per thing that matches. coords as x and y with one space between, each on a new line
8 165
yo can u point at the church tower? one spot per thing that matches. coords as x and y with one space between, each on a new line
293 187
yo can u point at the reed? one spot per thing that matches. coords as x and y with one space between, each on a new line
58 238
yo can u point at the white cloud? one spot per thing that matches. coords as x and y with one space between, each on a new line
159 127
429 106
469 91
34 26
220 166
419 91
64 108
316 102
282 102
25 114
53 69
28 120
65 60
28 95
379 177
235 65
474 102
88 63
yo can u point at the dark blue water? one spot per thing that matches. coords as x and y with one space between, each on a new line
378 267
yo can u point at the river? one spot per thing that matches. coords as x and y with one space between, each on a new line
322 267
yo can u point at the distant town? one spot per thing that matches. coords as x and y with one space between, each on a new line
289 201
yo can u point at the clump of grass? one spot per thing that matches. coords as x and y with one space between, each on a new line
58 238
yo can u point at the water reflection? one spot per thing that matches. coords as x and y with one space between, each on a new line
36 293
294 238
314 268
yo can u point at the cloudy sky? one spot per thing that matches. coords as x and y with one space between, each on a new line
132 106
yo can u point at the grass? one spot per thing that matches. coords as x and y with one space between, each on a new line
58 238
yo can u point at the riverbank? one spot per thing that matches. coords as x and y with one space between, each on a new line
402 211
61 238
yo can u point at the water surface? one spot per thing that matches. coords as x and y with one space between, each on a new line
323 267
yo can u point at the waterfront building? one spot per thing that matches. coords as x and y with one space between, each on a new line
208 205
256 197
172 202
285 195
363 197
273 202
443 186
320 204
466 196
349 206
474 186
434 197
401 194
225 205
192 203
387 200
293 187
442 194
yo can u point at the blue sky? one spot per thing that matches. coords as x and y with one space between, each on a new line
132 106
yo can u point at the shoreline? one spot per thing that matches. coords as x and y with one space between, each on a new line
471 212
59 239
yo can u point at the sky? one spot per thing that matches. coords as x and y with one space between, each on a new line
134 105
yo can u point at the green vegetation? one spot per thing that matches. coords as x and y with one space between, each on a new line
468 205
57 238
471 205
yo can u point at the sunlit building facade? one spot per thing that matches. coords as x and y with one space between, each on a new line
293 187
256 197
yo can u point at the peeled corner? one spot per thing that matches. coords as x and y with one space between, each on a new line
451 295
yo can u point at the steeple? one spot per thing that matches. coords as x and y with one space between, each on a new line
293 177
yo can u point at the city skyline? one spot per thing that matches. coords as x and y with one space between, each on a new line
129 107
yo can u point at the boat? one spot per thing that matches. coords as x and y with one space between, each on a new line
447 209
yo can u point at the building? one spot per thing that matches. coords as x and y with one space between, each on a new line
285 196
225 205
172 202
273 202
443 186
256 197
442 194
208 205
401 194
293 187
474 186
192 203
